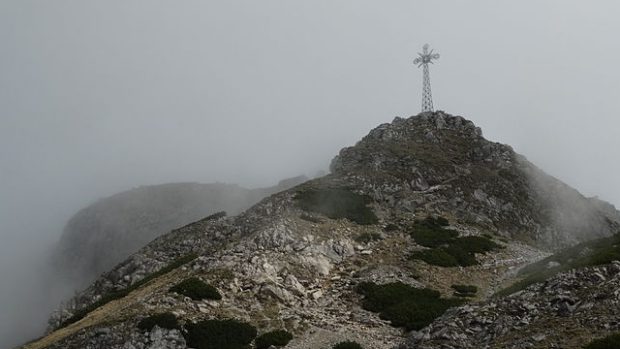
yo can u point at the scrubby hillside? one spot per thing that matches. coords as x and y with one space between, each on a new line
421 216
108 231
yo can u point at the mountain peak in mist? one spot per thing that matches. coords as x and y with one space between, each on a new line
441 163
421 216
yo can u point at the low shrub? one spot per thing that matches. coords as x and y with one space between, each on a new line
609 342
416 314
277 338
219 334
368 237
464 290
404 305
337 203
196 289
347 345
475 244
436 256
463 257
448 250
430 232
163 320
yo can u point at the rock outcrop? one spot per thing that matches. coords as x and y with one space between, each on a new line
435 162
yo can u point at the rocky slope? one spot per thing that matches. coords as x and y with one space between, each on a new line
105 233
310 259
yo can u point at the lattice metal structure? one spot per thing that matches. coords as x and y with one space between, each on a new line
425 58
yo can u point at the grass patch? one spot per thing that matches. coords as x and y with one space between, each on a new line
404 305
219 334
163 320
609 342
464 290
337 203
591 253
277 338
196 289
114 295
347 345
368 237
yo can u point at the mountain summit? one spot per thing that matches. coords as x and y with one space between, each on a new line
421 216
436 163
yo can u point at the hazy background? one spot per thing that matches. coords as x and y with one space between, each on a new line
99 97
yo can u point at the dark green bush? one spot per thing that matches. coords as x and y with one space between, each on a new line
337 203
219 334
404 305
464 290
430 232
368 237
436 256
463 257
196 289
432 237
609 342
163 320
118 294
347 345
449 250
277 338
475 244
415 314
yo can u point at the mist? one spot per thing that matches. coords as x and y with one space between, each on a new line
100 97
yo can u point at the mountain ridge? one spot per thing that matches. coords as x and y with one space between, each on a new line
106 232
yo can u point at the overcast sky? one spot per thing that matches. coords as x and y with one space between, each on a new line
99 97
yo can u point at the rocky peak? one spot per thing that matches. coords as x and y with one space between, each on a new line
440 163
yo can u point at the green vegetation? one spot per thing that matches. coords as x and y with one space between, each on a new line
347 345
436 256
464 290
404 305
219 334
367 237
474 244
163 320
277 338
337 203
196 289
446 248
591 253
432 236
609 342
114 295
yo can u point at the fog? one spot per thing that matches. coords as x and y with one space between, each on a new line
99 97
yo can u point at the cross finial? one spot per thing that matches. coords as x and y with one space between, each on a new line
425 58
